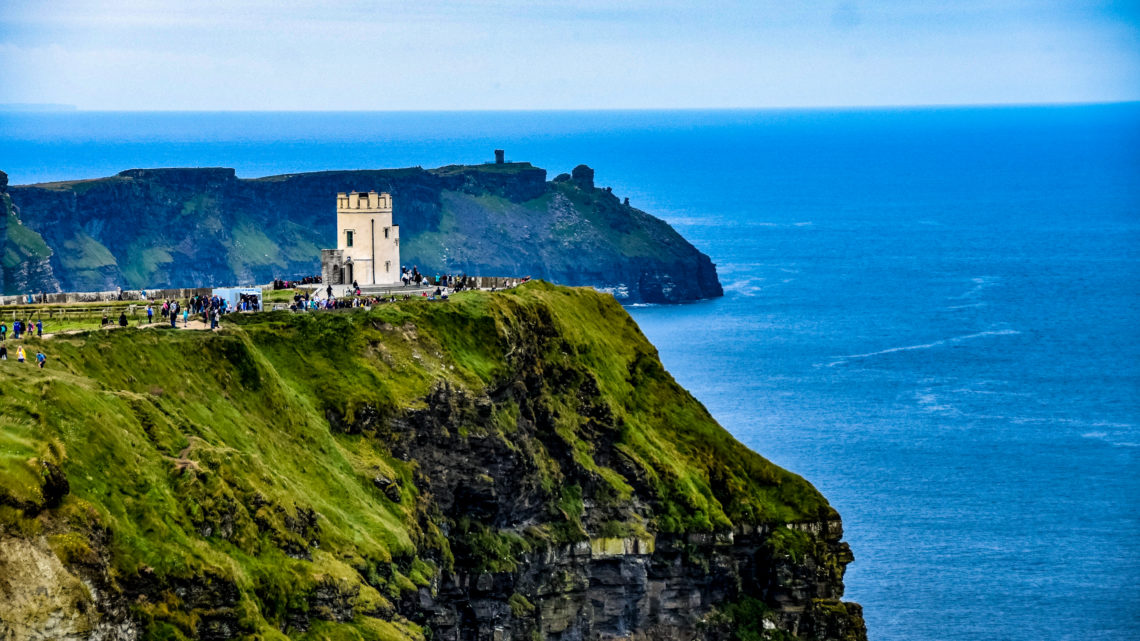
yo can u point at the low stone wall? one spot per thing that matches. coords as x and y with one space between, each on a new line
105 297
63 298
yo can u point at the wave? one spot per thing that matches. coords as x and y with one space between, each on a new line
908 348
1104 437
980 284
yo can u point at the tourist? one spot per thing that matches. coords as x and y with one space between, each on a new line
3 332
186 317
3 353
329 289
16 330
39 328
174 314
20 354
41 358
149 314
122 319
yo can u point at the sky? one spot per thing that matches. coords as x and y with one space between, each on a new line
588 54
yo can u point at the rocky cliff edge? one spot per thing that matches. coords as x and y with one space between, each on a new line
515 465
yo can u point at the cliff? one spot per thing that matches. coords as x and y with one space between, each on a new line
515 465
25 265
147 228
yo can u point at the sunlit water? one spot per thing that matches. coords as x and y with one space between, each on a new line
933 315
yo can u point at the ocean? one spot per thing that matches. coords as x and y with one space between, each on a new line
931 314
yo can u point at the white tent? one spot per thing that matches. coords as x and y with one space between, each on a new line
232 295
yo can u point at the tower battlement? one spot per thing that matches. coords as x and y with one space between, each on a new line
361 203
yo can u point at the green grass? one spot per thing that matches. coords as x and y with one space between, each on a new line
22 243
82 252
211 454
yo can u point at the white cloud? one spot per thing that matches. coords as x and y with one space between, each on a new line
210 54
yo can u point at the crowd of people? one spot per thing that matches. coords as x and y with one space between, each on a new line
455 282
290 284
21 329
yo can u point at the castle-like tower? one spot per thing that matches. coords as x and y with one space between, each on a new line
368 244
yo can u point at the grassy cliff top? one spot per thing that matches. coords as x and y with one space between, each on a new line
209 456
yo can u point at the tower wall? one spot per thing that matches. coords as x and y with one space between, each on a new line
367 239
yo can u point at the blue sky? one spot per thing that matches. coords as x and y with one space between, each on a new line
518 54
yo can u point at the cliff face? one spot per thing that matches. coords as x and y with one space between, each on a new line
182 227
25 266
514 465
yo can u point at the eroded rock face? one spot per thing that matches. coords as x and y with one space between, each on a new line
43 601
25 266
648 587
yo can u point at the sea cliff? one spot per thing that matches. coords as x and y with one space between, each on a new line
512 465
25 265
149 228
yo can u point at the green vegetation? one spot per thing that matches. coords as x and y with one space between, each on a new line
85 253
745 621
18 244
238 458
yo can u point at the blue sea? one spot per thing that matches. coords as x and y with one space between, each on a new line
931 314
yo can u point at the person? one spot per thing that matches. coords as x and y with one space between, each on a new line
329 291
174 315
105 319
39 328
122 319
149 314
3 332
3 353
186 317
20 353
16 330
41 359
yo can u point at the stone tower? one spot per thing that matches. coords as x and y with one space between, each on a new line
368 244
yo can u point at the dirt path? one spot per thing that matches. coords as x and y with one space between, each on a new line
194 325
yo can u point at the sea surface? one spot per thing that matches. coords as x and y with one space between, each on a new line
931 314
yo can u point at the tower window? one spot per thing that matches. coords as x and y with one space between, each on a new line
385 232
387 265
348 238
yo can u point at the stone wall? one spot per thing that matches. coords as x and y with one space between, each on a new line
62 298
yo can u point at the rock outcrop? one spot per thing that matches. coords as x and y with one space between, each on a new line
151 228
506 466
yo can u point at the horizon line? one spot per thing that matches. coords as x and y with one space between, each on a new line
72 109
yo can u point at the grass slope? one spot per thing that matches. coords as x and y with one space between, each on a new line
208 457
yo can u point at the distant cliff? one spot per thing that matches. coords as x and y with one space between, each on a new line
25 265
504 466
181 227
